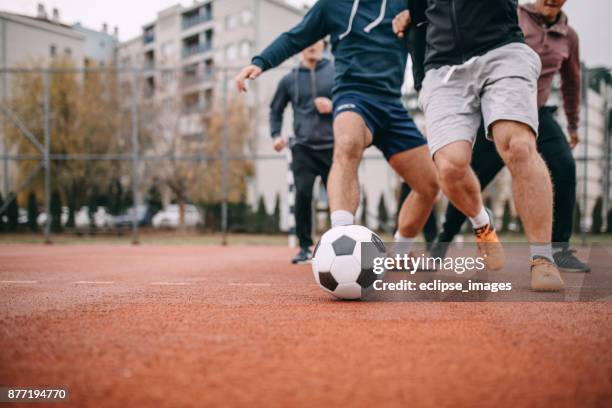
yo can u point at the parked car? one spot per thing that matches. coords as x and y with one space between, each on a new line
101 218
126 219
22 219
42 217
169 217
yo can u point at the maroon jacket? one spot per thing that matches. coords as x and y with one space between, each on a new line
557 46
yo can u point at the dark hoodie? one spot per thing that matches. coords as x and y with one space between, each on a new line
369 58
450 32
300 87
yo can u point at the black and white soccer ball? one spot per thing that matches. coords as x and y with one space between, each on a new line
337 261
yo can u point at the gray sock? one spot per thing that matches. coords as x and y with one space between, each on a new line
542 251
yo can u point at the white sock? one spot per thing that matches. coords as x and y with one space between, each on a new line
406 242
481 219
340 218
542 250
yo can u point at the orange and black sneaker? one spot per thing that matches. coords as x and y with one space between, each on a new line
491 250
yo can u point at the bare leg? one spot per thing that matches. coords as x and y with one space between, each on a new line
457 178
351 137
417 169
531 185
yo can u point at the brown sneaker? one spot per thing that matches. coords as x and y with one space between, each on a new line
545 276
490 248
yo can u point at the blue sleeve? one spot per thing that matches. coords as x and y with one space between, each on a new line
277 108
312 28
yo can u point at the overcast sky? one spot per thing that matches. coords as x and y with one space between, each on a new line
591 18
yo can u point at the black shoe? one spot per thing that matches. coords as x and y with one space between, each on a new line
439 249
303 257
567 262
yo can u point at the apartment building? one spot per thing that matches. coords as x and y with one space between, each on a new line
209 41
35 41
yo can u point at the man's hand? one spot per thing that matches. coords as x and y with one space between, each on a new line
249 72
401 23
279 143
574 139
324 105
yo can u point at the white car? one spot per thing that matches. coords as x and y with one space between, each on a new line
42 217
101 218
169 217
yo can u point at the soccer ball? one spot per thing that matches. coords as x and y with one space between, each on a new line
337 261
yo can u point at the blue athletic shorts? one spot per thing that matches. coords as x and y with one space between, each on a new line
392 128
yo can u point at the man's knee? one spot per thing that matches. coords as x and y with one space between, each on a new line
451 170
428 189
346 150
515 142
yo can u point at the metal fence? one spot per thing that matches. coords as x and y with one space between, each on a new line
141 123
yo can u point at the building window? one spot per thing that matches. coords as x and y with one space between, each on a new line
231 22
246 16
52 50
167 50
245 49
231 53
67 51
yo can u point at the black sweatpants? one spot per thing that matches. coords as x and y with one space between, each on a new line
430 230
307 165
555 150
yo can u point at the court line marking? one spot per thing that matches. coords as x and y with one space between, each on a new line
94 282
170 283
18 281
250 284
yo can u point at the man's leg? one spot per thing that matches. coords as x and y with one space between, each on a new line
533 197
555 150
486 164
430 230
351 137
457 178
531 185
462 188
415 167
304 178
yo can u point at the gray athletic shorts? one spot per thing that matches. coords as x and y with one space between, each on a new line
499 85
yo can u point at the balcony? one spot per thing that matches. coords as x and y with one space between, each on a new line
193 20
193 80
190 50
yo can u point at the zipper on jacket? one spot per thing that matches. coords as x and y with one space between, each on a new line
313 84
456 30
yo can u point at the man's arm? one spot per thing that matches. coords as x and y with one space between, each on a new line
311 29
571 86
412 23
277 108
417 40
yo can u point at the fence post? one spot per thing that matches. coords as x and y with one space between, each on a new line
606 195
224 154
46 154
135 158
292 239
4 147
585 107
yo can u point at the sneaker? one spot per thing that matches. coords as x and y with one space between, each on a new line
303 257
545 276
439 249
567 262
491 250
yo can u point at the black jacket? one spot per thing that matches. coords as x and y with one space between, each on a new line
450 32
300 87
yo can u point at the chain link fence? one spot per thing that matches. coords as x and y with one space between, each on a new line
114 150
